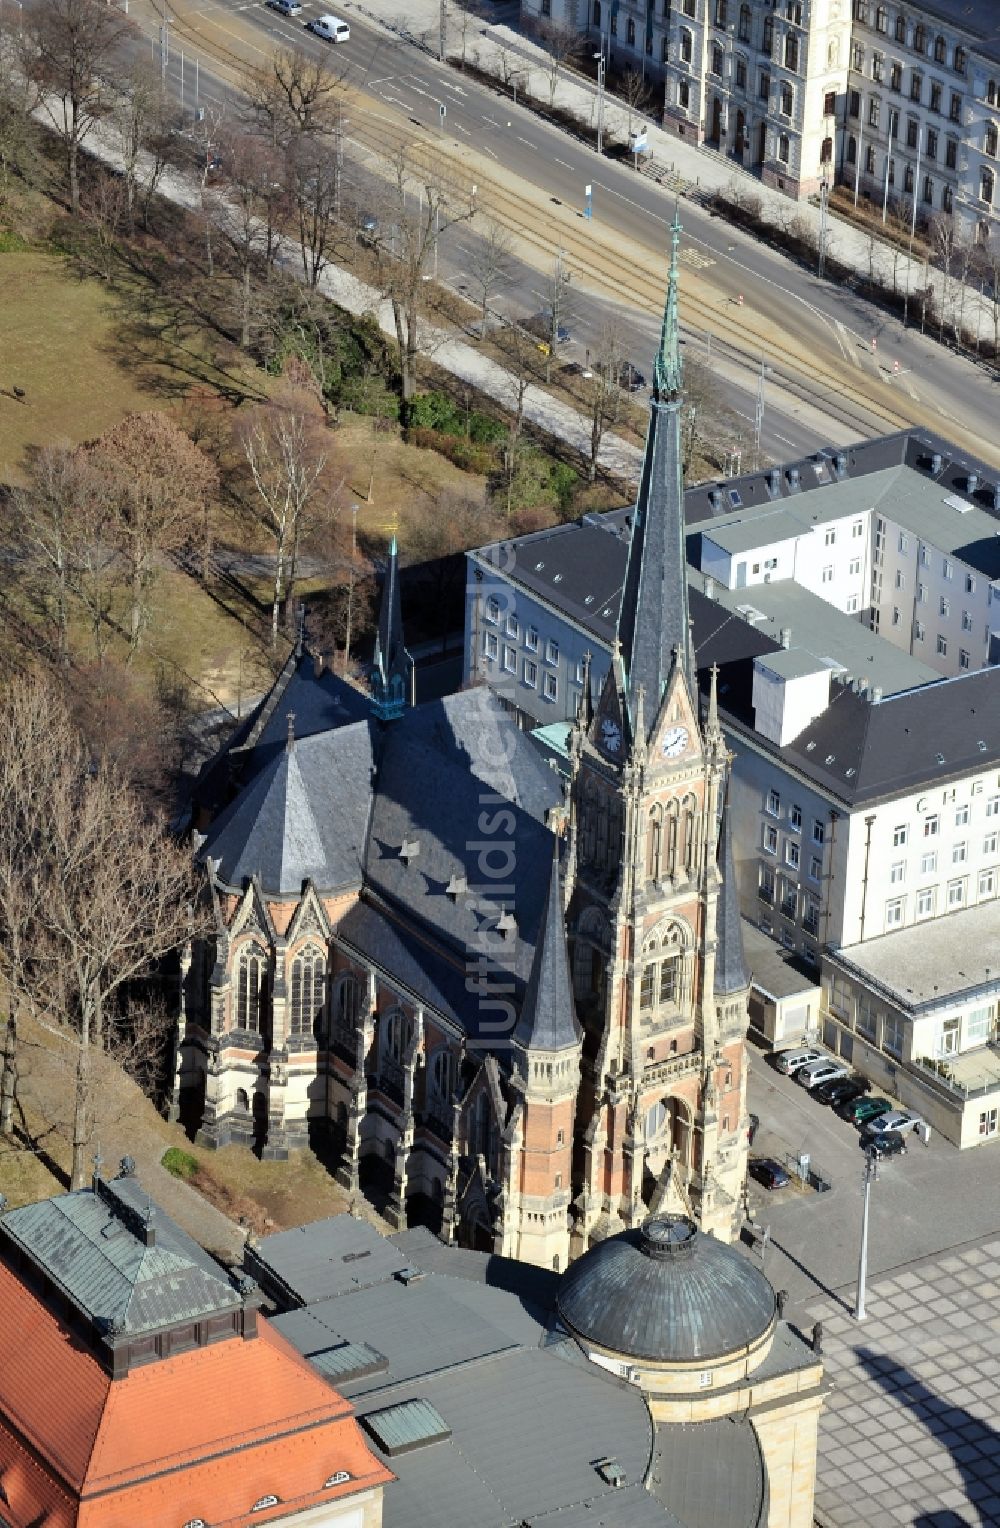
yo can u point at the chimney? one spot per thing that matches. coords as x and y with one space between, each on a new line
793 476
935 463
709 587
840 464
996 496
714 498
781 1299
773 479
876 694
972 482
785 636
818 1337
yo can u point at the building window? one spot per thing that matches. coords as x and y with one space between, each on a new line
715 67
771 839
922 593
785 99
251 988
791 52
920 39
854 104
551 651
900 579
993 806
830 104
988 882
874 111
990 843
881 18
958 60
308 991
683 89
746 19
630 39
854 566
773 803
830 537
944 605
959 853
932 144
962 815
345 1004
925 903
491 644
899 835
918 631
827 575
510 659
792 855
935 96
942 646
897 872
940 49
685 46
853 601
988 1122
493 608
511 627
878 67
931 825
741 73
857 57
530 672
928 863
948 1038
815 868
986 185
955 108
966 620
764 88
783 148
896 76
892 1034
900 27
893 918
551 687
978 1026
956 893
795 818
531 639
818 831
990 140
765 883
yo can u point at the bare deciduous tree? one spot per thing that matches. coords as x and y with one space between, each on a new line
141 121
490 266
314 184
634 89
286 458
48 518
295 93
244 211
404 245
108 896
154 481
70 49
607 391
15 103
564 45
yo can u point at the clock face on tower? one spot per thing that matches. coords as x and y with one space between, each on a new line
611 736
675 740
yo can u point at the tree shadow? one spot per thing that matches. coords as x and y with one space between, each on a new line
973 1444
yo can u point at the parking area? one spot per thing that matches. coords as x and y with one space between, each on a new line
933 1198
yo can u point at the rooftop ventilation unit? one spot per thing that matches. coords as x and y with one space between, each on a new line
611 1472
409 1275
935 463
972 482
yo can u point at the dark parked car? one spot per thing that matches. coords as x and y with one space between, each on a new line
884 1143
840 1090
860 1110
769 1172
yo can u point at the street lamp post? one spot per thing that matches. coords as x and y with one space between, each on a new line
600 97
871 1173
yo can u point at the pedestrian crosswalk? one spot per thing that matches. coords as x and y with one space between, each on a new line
694 257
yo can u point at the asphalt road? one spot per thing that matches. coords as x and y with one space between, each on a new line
835 325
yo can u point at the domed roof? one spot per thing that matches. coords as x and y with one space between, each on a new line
666 1293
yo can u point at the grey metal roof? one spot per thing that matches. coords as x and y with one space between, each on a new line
654 612
712 1474
324 1259
547 1020
666 1292
775 971
730 962
406 1425
629 1507
303 816
119 1259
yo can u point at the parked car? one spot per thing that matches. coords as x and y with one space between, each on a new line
754 1127
824 1070
769 1172
330 28
285 7
897 1119
789 1061
626 376
840 1090
885 1143
860 1110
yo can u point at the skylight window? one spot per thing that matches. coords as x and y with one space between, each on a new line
410 1425
734 498
539 566
830 758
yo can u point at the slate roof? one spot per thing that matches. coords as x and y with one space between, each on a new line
978 17
92 1246
644 1294
730 962
712 1474
323 1259
547 1020
302 816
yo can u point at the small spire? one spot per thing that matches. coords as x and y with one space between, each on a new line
585 710
290 739
667 368
713 700
640 716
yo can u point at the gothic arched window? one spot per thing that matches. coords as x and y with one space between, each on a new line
442 1075
397 1032
308 990
251 989
346 1004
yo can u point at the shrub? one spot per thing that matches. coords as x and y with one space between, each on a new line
181 1163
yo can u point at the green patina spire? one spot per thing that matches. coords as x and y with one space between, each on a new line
667 368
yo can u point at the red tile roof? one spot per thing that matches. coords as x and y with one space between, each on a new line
202 1434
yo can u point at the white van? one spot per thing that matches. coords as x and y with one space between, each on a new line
789 1061
330 28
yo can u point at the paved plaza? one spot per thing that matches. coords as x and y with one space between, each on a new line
910 1434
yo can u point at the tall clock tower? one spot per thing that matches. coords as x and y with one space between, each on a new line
658 968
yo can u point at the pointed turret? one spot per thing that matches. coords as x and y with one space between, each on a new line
654 610
392 666
730 961
548 1019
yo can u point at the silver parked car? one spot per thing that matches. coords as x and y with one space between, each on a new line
789 1061
900 1120
815 1072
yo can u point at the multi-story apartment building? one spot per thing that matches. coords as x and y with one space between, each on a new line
898 97
923 115
763 83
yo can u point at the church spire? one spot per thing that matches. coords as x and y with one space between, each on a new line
548 1019
654 610
667 367
392 666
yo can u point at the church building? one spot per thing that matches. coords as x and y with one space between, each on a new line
521 1003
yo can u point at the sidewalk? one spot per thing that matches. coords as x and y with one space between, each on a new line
699 170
